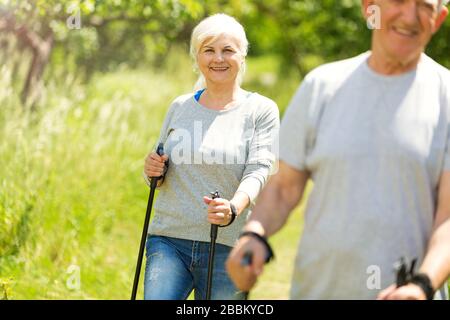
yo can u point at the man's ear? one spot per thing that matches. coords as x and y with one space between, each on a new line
364 5
440 19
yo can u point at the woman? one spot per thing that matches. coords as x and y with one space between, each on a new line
217 138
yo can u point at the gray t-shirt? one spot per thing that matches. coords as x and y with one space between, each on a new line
227 150
376 147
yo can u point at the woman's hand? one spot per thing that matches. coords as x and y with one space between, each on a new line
154 164
219 210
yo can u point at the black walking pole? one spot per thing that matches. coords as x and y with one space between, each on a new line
246 261
402 273
248 257
404 276
153 184
212 249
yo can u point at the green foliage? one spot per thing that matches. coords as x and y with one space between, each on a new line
439 46
5 289
140 32
306 33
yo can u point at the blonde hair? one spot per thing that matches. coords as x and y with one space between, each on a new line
213 27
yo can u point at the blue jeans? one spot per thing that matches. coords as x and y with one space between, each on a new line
175 267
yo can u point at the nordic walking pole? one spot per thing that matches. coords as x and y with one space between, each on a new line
402 273
248 258
212 249
246 261
153 184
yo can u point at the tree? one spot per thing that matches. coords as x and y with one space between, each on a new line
40 25
302 33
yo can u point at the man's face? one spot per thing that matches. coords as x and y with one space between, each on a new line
406 26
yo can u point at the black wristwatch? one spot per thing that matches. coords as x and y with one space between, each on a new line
424 282
269 252
233 215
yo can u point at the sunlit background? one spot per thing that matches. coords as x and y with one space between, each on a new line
84 87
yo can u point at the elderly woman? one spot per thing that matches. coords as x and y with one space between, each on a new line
216 138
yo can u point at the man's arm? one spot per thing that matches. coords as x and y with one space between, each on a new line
278 198
437 260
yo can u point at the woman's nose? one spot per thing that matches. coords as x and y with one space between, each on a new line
218 56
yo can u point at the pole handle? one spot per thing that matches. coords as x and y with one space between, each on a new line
214 227
160 152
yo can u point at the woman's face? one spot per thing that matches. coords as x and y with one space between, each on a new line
220 60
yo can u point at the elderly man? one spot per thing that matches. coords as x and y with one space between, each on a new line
373 133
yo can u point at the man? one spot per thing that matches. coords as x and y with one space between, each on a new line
373 133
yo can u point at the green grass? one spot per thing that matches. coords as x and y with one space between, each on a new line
71 190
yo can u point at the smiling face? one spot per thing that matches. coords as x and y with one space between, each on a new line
406 27
220 60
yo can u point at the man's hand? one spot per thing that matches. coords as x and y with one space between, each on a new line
409 292
244 277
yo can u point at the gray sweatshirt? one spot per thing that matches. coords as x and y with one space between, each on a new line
228 150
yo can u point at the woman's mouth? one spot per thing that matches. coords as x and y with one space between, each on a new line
219 69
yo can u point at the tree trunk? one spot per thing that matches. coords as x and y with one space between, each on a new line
33 83
40 48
